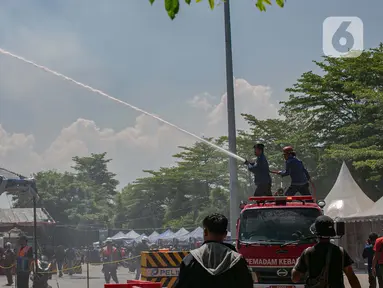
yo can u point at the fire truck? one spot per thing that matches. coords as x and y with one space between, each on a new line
272 233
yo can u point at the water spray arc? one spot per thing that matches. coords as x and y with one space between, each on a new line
87 87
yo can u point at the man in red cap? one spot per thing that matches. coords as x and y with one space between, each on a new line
296 170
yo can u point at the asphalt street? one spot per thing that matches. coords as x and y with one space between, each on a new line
96 279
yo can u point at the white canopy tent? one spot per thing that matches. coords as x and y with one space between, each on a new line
346 198
153 236
374 213
131 235
119 235
177 235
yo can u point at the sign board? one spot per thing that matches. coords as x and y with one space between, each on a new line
271 262
161 272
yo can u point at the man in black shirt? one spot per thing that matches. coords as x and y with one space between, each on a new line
215 264
314 259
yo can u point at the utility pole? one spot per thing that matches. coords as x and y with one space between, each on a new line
36 257
234 209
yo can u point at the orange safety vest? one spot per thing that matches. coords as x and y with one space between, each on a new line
23 251
108 252
23 261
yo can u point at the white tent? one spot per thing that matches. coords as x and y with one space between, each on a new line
119 235
153 236
346 198
178 234
131 235
196 234
375 212
139 238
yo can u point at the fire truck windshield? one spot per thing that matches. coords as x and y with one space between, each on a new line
276 224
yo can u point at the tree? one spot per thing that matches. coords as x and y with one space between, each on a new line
177 194
94 171
172 7
83 197
343 110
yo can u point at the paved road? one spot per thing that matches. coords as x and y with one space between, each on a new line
363 278
96 279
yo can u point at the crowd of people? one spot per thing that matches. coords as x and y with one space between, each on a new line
215 263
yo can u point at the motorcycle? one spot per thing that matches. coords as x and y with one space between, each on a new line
42 273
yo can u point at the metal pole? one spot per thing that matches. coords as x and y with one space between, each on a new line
87 273
35 229
234 209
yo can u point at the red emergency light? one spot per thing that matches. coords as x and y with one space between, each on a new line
281 198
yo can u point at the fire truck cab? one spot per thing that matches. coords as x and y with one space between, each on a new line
272 232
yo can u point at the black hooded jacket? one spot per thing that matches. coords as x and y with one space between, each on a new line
214 265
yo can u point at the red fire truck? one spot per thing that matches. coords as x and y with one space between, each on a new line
272 232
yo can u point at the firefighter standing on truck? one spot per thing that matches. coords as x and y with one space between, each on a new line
260 169
110 257
24 260
296 170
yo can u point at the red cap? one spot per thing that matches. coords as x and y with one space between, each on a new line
288 149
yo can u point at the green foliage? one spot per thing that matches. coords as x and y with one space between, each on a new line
343 111
172 7
84 196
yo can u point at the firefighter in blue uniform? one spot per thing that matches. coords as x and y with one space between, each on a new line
260 169
296 170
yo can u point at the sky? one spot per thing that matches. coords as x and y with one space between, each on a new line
134 52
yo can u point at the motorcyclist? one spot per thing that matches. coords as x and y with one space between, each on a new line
296 170
260 169
141 247
110 257
42 275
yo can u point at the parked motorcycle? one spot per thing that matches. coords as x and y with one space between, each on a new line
42 274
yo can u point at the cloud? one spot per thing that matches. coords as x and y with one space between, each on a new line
255 100
145 145
45 121
201 101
